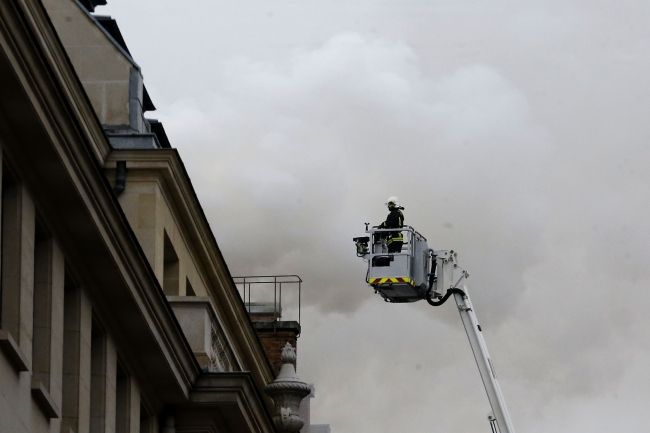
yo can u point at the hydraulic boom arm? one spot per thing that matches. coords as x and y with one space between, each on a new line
447 267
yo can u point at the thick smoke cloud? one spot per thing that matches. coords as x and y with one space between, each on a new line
514 133
308 152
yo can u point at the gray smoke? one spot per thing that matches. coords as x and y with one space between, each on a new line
340 129
515 133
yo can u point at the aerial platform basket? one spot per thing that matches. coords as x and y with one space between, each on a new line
401 276
402 268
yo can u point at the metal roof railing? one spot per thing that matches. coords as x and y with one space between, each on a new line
263 285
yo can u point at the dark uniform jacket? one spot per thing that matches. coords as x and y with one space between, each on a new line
394 220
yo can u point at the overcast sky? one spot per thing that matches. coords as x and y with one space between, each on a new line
514 132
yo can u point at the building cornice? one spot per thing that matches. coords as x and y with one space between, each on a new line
238 394
57 147
167 167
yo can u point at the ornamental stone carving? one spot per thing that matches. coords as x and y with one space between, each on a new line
287 391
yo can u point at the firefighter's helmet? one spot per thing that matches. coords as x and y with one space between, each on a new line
392 202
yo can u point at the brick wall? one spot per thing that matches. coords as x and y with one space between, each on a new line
273 336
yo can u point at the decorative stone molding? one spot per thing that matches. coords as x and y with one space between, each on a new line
220 355
204 333
287 391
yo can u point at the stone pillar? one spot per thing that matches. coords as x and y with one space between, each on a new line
18 231
76 360
134 408
47 359
127 405
102 383
49 268
111 385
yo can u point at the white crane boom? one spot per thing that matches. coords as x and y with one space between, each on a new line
483 361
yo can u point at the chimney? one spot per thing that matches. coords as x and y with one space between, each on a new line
273 333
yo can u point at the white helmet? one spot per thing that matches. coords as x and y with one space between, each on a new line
392 200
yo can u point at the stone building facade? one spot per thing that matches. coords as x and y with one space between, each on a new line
118 312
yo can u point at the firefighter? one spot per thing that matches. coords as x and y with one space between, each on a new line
394 220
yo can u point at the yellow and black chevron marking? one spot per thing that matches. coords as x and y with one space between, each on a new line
389 280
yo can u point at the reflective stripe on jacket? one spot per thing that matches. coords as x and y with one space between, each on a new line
395 237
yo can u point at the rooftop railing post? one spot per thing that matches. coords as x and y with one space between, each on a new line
277 281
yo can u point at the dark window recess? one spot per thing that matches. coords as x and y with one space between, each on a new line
97 375
122 401
170 269
189 291
145 419
8 181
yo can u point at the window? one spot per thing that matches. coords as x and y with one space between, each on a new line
127 409
122 401
98 367
43 282
189 291
6 202
171 269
